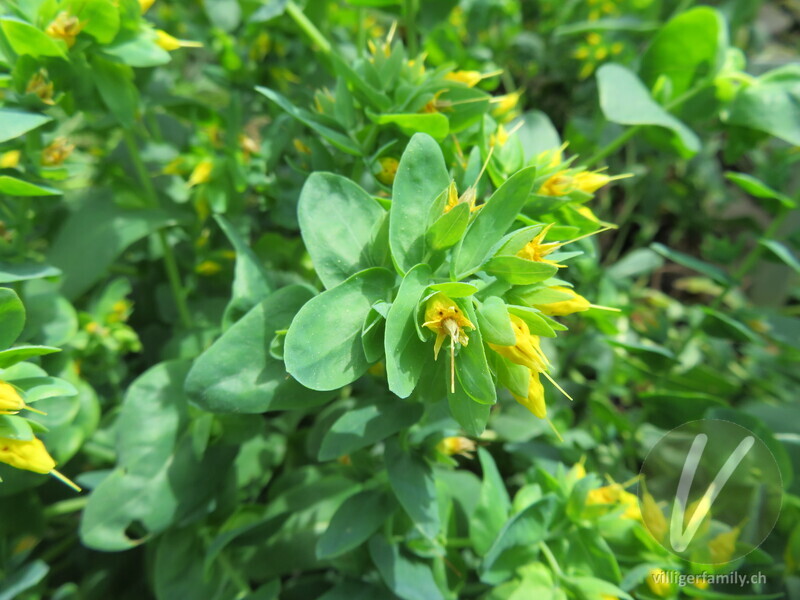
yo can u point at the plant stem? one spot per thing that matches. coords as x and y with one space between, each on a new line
362 31
66 507
170 264
551 559
308 27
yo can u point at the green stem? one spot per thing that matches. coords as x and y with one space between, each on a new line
296 13
362 31
551 559
230 570
66 507
410 17
170 264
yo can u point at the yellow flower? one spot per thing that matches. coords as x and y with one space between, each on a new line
526 350
536 250
169 43
468 197
445 319
653 517
39 85
201 173
65 27
506 105
658 582
57 152
500 137
248 145
10 400
456 445
534 402
594 38
388 170
30 455
468 78
10 159
558 184
562 308
300 146
145 5
208 268
723 546
616 494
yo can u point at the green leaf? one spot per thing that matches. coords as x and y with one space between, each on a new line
538 323
23 578
100 18
435 125
471 415
688 48
526 528
237 374
494 322
691 262
783 253
408 579
336 138
338 221
24 38
519 271
14 123
353 523
593 587
624 99
141 51
114 82
12 317
363 426
323 348
759 189
11 186
413 484
10 272
19 353
251 282
770 104
15 428
472 370
493 221
537 134
421 177
493 506
405 353
159 479
448 229
94 236
455 289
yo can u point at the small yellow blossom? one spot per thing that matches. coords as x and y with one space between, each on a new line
144 5
30 455
578 470
456 445
10 400
534 402
40 86
537 250
468 78
505 105
300 146
500 137
248 145
388 170
526 350
169 43
65 27
445 319
207 268
57 152
594 38
616 494
562 308
10 159
201 173
723 546
658 582
653 517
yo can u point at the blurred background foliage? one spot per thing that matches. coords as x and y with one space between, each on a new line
148 193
